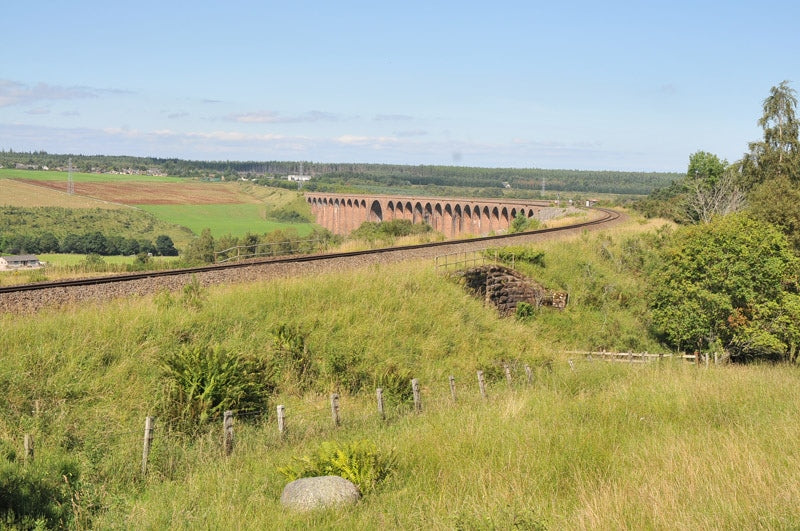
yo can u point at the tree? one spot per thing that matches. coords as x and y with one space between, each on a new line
201 249
165 246
710 189
731 283
778 154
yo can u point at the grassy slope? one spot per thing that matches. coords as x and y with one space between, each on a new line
603 446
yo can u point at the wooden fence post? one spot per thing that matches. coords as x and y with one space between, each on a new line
453 387
415 392
28 446
147 442
335 409
571 365
281 421
227 426
482 384
529 374
507 370
379 395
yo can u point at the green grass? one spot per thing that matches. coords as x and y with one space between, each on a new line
236 220
38 175
60 260
603 446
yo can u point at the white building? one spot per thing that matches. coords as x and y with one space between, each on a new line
19 261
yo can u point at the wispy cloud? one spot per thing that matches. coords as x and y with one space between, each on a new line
392 118
273 117
177 115
38 110
15 93
411 133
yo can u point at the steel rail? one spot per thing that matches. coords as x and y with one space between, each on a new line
608 216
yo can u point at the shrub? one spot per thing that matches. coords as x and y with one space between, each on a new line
37 496
360 462
204 381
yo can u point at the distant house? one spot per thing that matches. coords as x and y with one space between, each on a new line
591 202
298 178
19 261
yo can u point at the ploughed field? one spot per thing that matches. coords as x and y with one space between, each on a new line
153 193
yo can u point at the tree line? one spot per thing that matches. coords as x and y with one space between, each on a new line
87 243
629 183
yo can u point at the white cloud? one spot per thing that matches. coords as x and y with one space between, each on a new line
273 117
15 93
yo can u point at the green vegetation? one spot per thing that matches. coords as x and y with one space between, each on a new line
731 284
765 182
589 447
27 227
230 219
80 177
360 462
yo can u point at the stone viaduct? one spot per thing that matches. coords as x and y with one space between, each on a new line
343 213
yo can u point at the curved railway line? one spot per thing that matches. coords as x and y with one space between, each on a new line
31 297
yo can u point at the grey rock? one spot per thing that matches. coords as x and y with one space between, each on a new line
306 494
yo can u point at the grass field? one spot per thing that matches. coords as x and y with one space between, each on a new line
234 219
587 445
38 175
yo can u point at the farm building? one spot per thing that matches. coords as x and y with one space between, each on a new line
19 261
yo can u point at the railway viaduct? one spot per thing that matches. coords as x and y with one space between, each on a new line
453 217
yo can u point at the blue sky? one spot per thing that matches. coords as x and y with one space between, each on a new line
578 85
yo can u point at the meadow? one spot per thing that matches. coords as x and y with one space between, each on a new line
584 445
221 220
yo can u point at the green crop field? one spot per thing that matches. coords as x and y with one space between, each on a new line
38 175
233 219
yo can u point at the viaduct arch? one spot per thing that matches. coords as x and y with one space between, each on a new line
453 217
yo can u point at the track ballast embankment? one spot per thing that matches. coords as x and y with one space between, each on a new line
32 297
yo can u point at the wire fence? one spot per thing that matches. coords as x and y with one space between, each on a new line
308 416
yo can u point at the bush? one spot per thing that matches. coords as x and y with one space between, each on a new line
360 462
205 381
39 495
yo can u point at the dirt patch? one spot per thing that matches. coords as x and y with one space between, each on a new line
144 193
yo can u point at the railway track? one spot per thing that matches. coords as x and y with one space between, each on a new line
40 294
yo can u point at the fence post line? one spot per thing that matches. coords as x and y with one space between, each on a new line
482 384
281 421
379 396
529 374
715 358
227 426
452 387
27 444
507 370
415 392
335 409
147 442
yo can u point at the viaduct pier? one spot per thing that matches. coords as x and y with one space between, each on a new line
453 217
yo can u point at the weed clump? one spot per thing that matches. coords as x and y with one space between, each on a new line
360 462
202 382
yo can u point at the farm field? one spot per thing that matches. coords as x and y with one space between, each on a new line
25 194
232 208
61 176
233 219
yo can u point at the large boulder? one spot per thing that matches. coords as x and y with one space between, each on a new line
305 494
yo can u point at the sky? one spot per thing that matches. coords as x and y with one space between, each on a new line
627 86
